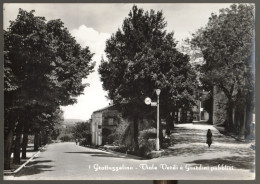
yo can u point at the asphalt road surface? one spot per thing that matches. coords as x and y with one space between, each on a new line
186 161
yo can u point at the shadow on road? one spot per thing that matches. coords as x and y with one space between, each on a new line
87 152
31 150
101 154
236 161
38 162
186 151
35 167
110 155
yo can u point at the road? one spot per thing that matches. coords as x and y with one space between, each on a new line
189 140
67 161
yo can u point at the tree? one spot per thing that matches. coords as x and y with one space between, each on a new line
227 46
81 130
46 120
44 67
140 58
50 129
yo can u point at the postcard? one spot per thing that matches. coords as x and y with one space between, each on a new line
124 91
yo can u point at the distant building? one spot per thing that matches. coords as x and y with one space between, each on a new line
196 113
103 122
199 112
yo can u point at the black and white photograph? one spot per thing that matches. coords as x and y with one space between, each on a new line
129 91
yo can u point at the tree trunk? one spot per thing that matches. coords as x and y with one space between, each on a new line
36 141
249 118
250 111
25 142
242 128
17 146
229 118
210 121
136 146
240 120
40 139
45 138
211 106
8 149
234 120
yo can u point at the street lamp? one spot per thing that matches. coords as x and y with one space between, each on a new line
148 101
158 91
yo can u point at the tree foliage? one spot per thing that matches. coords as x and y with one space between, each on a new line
227 46
43 69
46 59
81 130
141 57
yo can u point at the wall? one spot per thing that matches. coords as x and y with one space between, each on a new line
96 128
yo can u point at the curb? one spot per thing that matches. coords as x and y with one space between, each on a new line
6 173
118 153
126 155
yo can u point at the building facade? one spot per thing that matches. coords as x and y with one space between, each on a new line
103 122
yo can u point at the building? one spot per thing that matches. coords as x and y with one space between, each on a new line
196 113
103 122
199 113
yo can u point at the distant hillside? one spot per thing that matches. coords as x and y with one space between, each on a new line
72 121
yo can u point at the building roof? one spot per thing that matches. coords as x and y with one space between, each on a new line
105 108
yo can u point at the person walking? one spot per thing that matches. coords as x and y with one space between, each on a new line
209 138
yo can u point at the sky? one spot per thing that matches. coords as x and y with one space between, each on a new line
93 23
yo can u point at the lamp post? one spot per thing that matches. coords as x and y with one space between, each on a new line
158 91
148 102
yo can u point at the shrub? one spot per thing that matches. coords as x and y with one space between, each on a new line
80 130
146 141
117 136
86 140
107 136
121 148
66 138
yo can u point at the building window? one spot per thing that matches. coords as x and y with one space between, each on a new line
110 121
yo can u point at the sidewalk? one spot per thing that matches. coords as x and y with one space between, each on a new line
30 154
188 141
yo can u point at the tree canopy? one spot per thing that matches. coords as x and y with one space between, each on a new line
227 46
141 57
43 63
43 69
81 130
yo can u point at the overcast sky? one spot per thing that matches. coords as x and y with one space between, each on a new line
92 24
